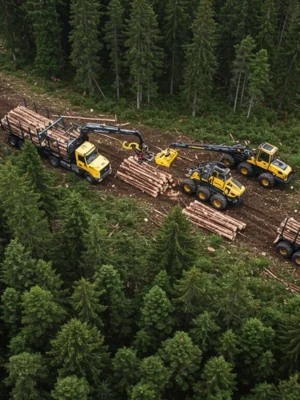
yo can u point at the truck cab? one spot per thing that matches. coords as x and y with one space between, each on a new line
88 159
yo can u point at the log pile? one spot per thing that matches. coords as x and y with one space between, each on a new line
145 177
290 230
212 220
26 123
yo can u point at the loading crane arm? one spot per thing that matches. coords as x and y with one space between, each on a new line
140 148
222 148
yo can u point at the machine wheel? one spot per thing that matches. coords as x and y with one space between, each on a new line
284 249
20 143
12 140
188 186
296 258
90 179
203 193
228 160
218 201
54 161
245 169
266 180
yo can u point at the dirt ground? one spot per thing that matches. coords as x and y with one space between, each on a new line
262 211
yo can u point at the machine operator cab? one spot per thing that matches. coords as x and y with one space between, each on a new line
88 159
264 158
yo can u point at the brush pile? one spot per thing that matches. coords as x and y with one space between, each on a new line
212 220
145 177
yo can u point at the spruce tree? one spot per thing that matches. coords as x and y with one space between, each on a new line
114 38
78 350
267 26
156 317
11 309
155 374
228 346
241 68
175 27
201 63
176 248
25 373
182 358
85 301
30 166
126 370
47 31
258 78
143 392
71 387
143 53
218 381
84 38
290 340
204 330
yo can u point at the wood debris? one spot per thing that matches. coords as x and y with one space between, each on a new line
145 177
27 124
289 286
212 220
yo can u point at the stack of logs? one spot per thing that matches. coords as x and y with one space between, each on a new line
22 120
145 177
290 230
212 220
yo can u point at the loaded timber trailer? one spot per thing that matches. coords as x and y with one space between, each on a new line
65 147
287 243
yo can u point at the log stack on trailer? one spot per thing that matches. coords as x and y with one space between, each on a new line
212 220
287 243
145 177
24 123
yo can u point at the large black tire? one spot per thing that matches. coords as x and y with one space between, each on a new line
266 180
245 169
13 140
90 179
228 160
54 161
296 258
20 144
189 186
218 201
284 249
203 193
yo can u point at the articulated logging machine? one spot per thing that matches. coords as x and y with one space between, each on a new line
213 182
249 162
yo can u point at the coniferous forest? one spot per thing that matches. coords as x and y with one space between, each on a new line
245 51
97 302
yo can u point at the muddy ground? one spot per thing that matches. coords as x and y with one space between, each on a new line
262 211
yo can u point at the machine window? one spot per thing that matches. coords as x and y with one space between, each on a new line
81 159
263 157
91 157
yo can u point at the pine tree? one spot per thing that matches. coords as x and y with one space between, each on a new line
219 381
71 387
288 62
204 330
25 372
20 203
201 63
126 370
175 26
84 38
21 272
182 358
30 166
156 315
114 28
78 350
47 31
41 315
143 53
85 301
258 78
241 68
175 246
